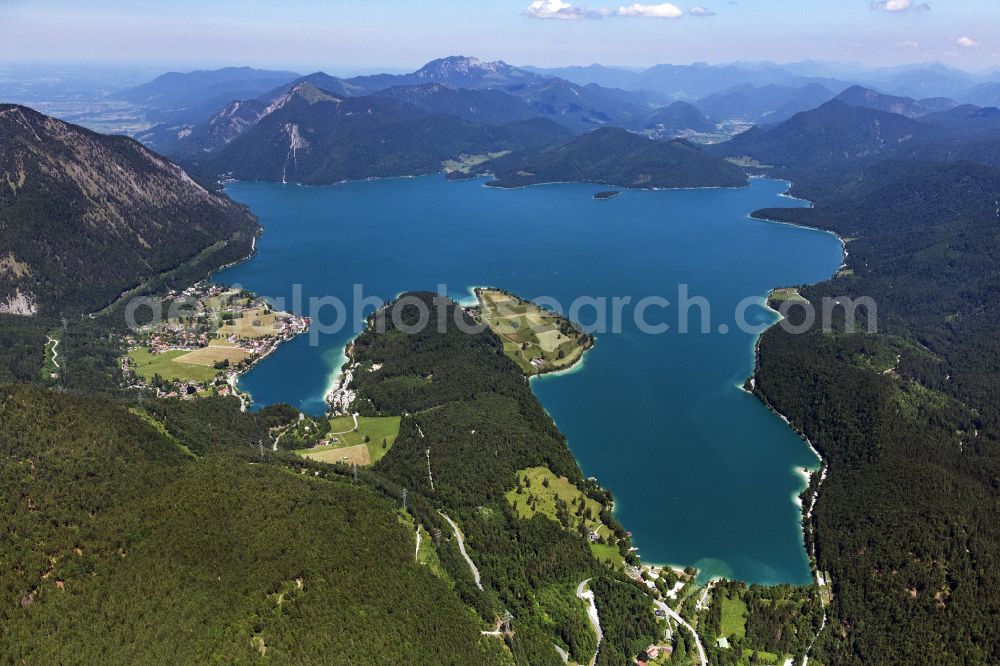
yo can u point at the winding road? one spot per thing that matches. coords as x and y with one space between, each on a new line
461 549
595 621
702 656
55 354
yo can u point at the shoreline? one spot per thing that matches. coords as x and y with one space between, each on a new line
808 529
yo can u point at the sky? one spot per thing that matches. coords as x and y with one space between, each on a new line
371 35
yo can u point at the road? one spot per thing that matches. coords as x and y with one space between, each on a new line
55 354
595 621
461 549
702 656
354 429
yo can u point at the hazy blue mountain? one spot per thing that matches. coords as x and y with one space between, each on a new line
984 94
617 157
835 132
904 106
191 97
609 77
457 71
322 80
579 107
764 104
678 117
698 80
582 108
487 106
920 81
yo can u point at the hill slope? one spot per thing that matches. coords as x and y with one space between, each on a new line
678 117
765 104
907 419
317 138
205 558
615 156
84 217
191 97
835 132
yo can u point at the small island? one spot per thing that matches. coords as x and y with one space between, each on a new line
607 194
538 340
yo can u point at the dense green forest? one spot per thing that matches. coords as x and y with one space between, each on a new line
85 217
167 526
906 419
469 430
129 544
613 156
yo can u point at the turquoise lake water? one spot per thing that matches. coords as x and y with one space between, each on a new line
702 473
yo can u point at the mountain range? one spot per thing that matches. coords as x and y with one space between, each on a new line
313 137
188 97
85 216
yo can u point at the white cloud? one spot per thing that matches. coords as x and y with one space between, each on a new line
909 44
966 42
899 5
555 9
560 9
698 10
664 10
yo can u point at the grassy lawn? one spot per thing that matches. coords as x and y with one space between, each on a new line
532 482
209 356
351 443
530 332
464 163
762 657
146 365
786 294
608 554
347 455
734 617
253 324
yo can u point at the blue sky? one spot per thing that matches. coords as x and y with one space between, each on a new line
343 37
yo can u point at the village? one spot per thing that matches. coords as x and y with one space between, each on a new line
209 335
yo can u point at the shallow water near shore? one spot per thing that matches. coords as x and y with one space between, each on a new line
702 473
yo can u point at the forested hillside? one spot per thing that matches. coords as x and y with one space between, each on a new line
84 217
146 527
614 156
125 546
464 436
317 138
907 419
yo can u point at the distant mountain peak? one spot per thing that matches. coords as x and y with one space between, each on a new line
312 94
443 67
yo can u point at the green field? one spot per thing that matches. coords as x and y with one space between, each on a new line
146 365
464 163
607 554
530 333
532 482
734 617
377 429
786 294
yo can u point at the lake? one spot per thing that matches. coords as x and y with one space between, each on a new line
702 473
